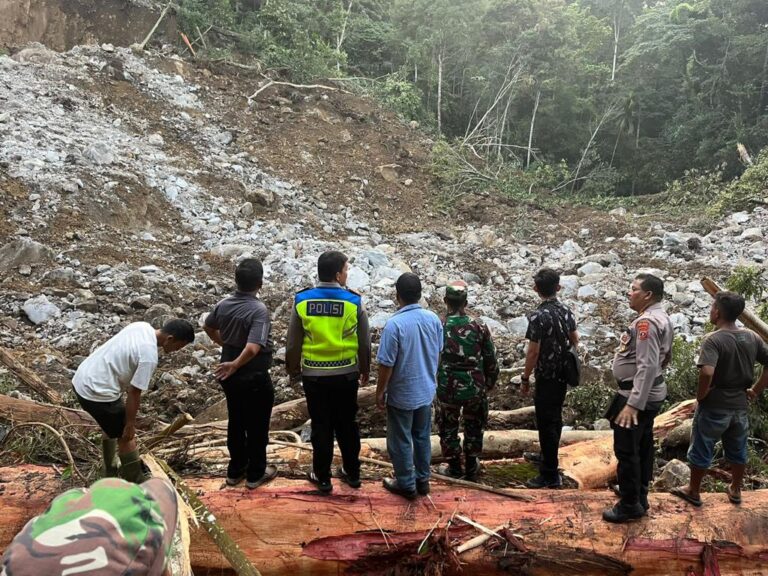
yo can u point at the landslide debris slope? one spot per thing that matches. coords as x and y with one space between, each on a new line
131 185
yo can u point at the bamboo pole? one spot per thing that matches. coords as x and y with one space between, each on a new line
229 548
154 28
180 421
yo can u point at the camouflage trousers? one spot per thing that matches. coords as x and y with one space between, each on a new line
448 417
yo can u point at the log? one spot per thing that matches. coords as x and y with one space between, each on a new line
593 464
29 378
285 416
501 443
286 527
509 419
748 318
17 410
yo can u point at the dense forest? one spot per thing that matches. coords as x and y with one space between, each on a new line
596 97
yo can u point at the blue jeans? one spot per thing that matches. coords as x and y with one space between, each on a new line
709 426
409 445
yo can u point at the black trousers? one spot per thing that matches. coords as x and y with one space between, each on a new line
548 402
249 404
332 404
634 450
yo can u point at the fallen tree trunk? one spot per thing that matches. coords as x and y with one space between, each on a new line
593 464
286 527
207 444
749 318
508 419
17 410
500 443
29 378
285 416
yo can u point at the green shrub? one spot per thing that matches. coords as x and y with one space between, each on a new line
750 189
682 376
747 281
589 401
695 188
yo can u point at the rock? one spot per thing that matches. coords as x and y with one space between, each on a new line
379 319
99 153
672 240
518 326
135 279
121 309
23 251
752 234
141 303
375 258
587 291
569 285
620 212
246 209
471 278
35 53
494 326
230 251
260 196
357 279
40 310
61 277
607 259
738 218
602 424
590 268
156 140
569 247
25 270
680 322
156 311
673 475
223 138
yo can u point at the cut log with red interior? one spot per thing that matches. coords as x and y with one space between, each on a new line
286 527
592 464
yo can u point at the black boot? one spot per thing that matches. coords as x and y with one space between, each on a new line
452 468
473 467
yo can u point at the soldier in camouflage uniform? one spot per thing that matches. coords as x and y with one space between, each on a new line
468 369
114 528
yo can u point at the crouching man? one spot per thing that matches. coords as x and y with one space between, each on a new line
125 362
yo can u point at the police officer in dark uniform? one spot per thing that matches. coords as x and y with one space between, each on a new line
644 352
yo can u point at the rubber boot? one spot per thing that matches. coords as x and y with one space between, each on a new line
111 465
132 469
452 468
473 467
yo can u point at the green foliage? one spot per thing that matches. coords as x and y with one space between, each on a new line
750 189
758 418
747 281
695 188
7 383
682 375
589 401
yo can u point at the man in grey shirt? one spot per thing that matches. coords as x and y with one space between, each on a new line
726 377
240 324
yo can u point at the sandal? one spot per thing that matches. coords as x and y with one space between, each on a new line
733 498
680 493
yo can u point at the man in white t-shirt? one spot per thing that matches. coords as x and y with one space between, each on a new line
125 362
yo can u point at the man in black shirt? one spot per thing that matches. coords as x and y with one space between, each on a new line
240 324
551 327
726 376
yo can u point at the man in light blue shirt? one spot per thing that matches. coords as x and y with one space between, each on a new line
409 355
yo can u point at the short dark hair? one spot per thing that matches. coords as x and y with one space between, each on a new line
249 275
408 287
181 330
329 264
730 305
652 284
547 281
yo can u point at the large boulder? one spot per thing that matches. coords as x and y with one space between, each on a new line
673 475
23 251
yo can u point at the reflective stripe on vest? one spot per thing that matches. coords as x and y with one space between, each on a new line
329 318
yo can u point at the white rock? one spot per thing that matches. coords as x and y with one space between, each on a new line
357 279
156 139
673 475
569 285
587 291
494 326
23 251
738 218
590 268
751 234
39 309
621 212
518 326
